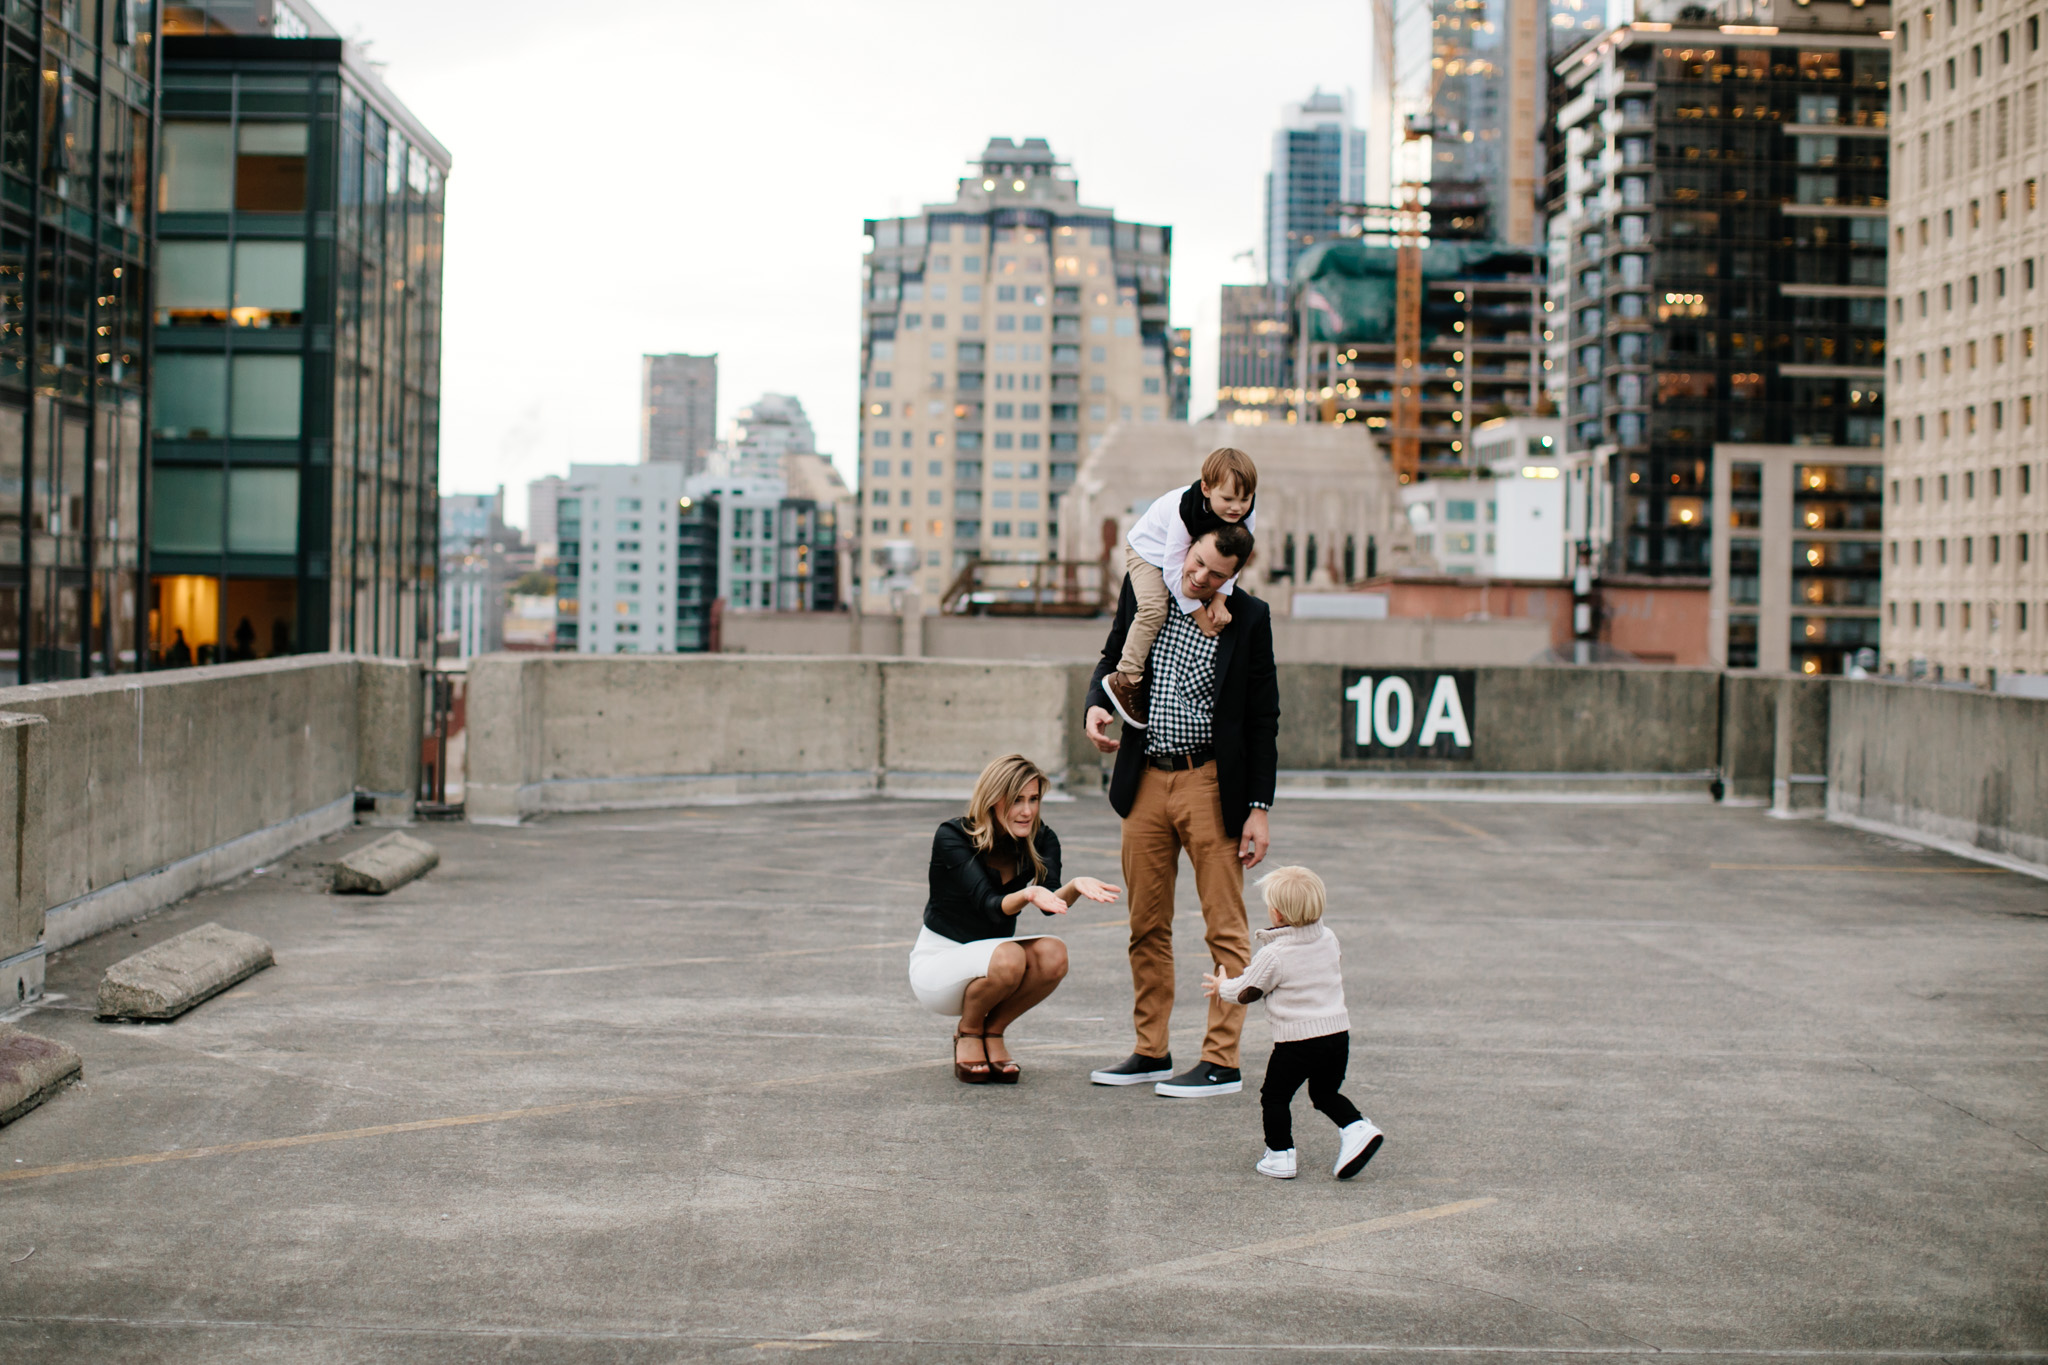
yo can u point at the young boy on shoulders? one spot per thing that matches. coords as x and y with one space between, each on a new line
1154 551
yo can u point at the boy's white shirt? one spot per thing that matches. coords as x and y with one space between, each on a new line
1161 539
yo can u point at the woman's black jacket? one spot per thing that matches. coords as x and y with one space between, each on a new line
966 902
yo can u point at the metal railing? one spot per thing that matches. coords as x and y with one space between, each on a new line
1041 588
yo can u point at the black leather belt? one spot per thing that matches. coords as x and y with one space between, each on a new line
1180 763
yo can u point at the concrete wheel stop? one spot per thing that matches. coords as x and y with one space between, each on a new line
383 865
164 981
31 1070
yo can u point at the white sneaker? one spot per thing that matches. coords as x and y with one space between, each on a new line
1361 1140
1279 1165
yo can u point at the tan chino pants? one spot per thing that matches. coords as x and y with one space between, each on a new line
1175 811
1148 586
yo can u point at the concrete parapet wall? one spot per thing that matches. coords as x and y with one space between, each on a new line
576 732
390 718
1455 644
953 716
1943 765
1534 719
1749 731
24 776
148 771
158 785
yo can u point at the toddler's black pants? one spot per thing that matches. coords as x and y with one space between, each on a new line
1320 1062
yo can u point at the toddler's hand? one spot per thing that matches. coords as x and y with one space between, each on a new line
1218 612
1212 981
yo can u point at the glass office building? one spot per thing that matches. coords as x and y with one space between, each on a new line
76 92
297 347
1318 163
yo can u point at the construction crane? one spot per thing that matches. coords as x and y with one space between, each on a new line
1407 219
1406 418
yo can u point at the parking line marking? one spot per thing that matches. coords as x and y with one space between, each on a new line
1423 808
109 1163
1231 1256
1853 867
1234 1255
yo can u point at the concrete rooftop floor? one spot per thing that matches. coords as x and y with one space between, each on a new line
651 1087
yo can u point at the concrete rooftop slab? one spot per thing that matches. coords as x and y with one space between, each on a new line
652 1087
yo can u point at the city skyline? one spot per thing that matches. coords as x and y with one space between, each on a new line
780 303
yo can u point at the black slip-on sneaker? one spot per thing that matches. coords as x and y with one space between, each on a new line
1135 1069
1202 1080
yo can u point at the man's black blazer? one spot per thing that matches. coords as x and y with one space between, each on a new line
1246 720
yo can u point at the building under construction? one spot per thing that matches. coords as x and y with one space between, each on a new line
1476 337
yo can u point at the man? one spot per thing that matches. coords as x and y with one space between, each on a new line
1200 778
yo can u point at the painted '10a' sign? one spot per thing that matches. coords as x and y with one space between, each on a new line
1408 713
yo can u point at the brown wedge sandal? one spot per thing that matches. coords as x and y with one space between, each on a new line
970 1073
1000 1073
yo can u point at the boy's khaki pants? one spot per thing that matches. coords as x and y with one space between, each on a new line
1148 584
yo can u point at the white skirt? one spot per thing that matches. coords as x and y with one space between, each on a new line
941 970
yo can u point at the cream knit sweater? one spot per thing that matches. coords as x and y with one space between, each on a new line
1296 970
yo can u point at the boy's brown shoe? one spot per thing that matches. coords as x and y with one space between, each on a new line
1129 700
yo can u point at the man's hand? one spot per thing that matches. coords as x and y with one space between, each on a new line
1253 843
1098 730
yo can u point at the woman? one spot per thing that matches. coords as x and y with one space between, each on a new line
987 867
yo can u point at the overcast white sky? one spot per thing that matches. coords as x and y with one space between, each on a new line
642 176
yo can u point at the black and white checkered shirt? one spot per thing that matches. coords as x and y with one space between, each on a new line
1181 709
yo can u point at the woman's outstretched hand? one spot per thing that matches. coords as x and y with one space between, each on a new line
1045 900
1097 891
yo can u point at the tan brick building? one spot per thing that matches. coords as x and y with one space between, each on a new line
1003 335
1964 584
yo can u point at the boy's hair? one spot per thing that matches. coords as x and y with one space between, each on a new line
1226 462
1295 892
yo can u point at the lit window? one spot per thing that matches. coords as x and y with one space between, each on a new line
270 168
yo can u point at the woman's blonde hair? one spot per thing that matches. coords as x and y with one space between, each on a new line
1000 784
1295 893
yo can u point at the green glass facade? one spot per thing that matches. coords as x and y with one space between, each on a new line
297 338
77 96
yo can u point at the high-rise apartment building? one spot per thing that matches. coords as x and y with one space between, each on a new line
1717 266
615 578
475 572
1965 510
297 345
541 496
1254 355
766 432
1796 548
1318 163
1003 334
678 410
76 181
